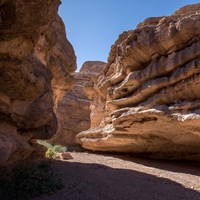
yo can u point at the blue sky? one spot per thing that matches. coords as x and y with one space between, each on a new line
94 25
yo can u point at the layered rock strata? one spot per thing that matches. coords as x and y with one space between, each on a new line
73 109
150 90
35 65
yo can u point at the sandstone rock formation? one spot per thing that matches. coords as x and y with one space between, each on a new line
73 111
35 63
150 90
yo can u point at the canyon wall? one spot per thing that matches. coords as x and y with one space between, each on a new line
35 65
73 111
148 96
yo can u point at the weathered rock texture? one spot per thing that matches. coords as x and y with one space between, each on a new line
73 109
35 63
150 90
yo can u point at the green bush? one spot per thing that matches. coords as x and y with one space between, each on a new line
59 148
52 149
44 143
50 152
26 181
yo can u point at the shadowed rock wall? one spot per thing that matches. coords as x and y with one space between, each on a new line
35 65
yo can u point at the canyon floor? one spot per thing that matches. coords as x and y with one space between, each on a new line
90 176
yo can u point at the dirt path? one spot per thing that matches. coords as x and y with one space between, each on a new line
99 177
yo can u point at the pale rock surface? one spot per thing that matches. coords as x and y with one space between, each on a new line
149 91
35 65
73 111
62 156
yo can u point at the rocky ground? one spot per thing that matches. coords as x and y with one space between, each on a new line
106 177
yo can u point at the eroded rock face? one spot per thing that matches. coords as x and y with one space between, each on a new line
35 63
150 89
73 109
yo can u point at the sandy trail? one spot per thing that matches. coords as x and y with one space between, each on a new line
105 177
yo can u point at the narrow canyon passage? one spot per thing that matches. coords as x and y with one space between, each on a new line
91 176
144 100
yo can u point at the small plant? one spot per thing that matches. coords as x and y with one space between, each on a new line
25 181
44 143
59 148
52 150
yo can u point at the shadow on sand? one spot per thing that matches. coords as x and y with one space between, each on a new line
100 182
180 166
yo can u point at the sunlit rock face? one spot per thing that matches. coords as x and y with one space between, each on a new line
73 111
150 90
35 65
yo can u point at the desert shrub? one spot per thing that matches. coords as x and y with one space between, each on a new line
50 152
60 148
25 181
55 149
52 149
44 143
